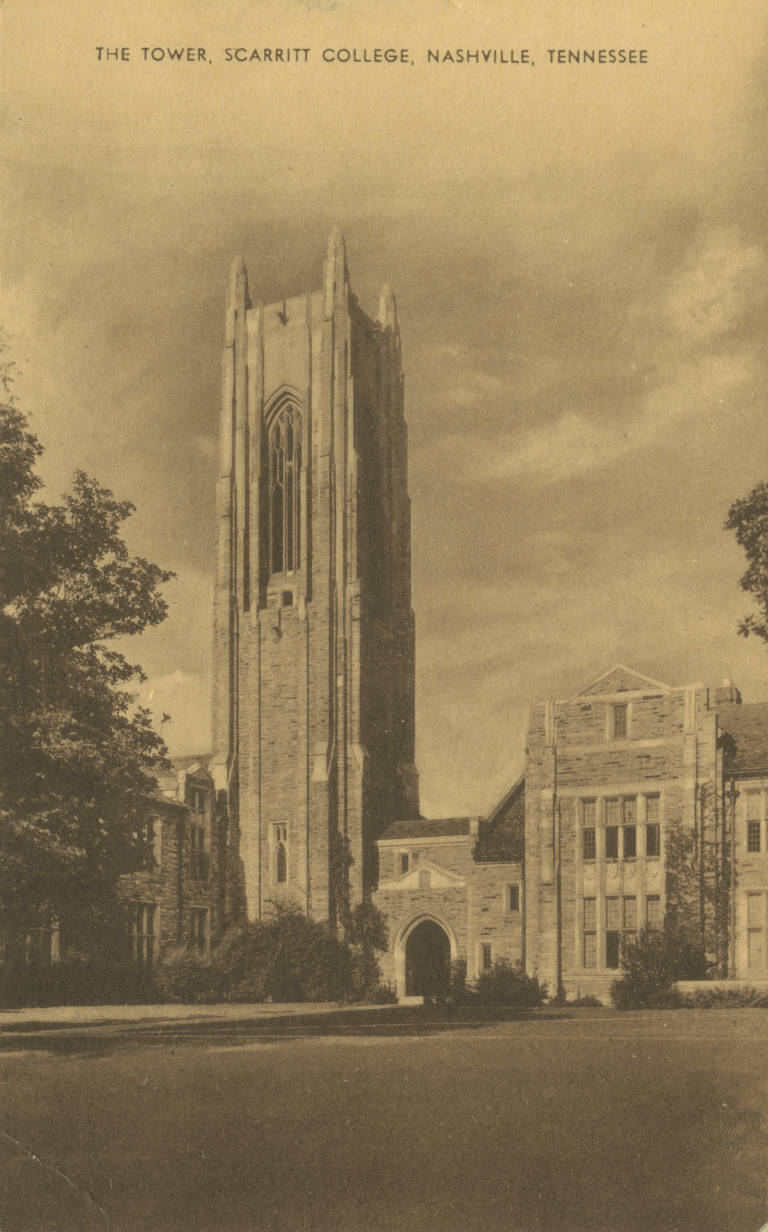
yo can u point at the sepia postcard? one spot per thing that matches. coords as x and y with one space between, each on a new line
428 343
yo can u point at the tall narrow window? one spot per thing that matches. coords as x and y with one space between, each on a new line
755 931
588 818
281 854
148 841
589 932
619 720
629 833
513 898
285 490
198 835
611 842
141 932
198 928
752 811
612 931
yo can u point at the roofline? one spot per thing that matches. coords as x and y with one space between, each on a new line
520 779
168 801
659 684
440 838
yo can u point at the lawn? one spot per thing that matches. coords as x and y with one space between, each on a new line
569 1120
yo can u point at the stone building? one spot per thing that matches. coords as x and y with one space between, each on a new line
176 897
313 708
175 894
640 801
452 889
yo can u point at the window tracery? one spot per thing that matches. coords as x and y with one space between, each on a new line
285 490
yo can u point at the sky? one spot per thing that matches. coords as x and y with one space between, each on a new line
579 255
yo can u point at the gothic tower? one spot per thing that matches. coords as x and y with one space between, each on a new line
313 708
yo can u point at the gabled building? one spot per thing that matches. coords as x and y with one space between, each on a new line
176 897
640 802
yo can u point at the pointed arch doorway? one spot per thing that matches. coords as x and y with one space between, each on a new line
424 954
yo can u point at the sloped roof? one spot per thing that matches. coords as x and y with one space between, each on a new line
189 760
746 730
621 679
502 834
168 779
421 827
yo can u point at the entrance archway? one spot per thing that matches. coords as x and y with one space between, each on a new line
427 961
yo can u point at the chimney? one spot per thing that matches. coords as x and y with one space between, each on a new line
727 693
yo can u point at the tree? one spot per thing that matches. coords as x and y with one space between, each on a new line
77 753
748 518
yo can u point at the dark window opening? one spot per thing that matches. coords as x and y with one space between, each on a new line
513 898
611 842
619 720
588 845
281 863
285 491
404 862
612 950
753 836
147 836
141 933
630 842
486 956
198 932
653 840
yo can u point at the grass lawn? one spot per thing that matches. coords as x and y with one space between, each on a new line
567 1120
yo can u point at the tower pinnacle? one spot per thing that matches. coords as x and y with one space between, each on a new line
336 272
388 308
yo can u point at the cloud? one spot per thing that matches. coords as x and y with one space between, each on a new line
723 283
686 386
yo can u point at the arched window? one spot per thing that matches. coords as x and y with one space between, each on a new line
285 490
282 863
281 854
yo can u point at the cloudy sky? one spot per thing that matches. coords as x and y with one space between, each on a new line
579 256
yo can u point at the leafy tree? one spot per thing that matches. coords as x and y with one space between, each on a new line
76 753
748 518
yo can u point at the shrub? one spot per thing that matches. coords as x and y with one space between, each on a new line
653 962
75 981
725 999
286 958
382 994
187 976
508 985
459 993
365 935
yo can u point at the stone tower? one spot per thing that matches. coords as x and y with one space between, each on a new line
313 707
